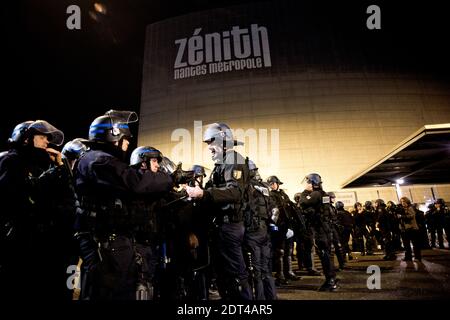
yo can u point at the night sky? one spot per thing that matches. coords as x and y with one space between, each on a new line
70 77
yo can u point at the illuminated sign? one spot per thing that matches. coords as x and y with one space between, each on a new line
235 49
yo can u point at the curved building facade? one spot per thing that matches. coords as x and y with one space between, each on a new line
308 89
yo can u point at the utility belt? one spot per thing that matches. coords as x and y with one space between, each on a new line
105 215
229 217
256 223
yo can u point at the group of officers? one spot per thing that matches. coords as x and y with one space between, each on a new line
146 229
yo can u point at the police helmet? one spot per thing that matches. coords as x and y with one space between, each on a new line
339 205
28 129
440 201
18 134
252 166
144 154
42 127
221 132
367 204
112 126
274 179
199 171
313 178
74 149
380 203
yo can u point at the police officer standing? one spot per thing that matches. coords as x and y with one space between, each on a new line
106 184
336 229
145 216
347 222
316 206
33 226
257 240
224 192
385 227
284 238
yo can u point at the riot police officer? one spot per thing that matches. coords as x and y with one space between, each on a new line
34 218
73 150
372 235
384 225
106 185
347 222
316 206
146 217
257 240
336 230
283 240
224 193
442 218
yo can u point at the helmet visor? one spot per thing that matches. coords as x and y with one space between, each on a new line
55 136
125 117
168 166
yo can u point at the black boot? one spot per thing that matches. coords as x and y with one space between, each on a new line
329 285
288 272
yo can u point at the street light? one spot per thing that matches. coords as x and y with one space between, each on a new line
398 182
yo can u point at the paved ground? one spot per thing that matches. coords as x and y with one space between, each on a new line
400 280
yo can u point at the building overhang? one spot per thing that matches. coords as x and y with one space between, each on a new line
422 158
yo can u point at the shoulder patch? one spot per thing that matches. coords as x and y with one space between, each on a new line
237 174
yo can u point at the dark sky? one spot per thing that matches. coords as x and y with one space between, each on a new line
70 77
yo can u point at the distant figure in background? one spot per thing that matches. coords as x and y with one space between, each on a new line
410 230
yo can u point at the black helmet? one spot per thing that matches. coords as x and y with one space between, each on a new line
28 129
112 126
252 166
274 179
339 205
18 134
142 154
220 131
440 201
199 171
367 204
313 178
74 149
380 203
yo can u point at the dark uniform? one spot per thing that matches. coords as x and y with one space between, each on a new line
347 221
316 207
283 245
335 232
148 215
36 219
257 242
225 195
372 235
393 210
224 191
106 226
442 221
386 229
305 244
